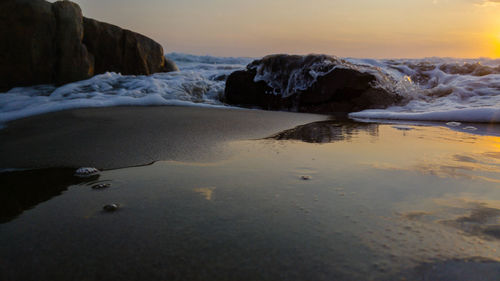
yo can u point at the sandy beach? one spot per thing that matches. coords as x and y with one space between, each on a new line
245 195
119 137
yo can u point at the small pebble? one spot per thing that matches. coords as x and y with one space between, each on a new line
86 172
306 178
111 207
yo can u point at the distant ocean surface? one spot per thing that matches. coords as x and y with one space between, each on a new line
438 89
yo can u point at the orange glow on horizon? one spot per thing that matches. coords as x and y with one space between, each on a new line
346 28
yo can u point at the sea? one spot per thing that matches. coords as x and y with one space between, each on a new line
435 89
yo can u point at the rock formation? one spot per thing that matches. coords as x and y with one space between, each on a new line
313 83
123 51
44 43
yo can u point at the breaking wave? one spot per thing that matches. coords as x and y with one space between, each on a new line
438 89
200 82
441 89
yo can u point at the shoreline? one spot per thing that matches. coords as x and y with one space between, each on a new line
127 136
357 200
118 137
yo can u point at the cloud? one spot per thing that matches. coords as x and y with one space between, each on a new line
478 2
487 2
475 2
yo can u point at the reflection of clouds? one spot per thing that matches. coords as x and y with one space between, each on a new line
326 132
474 217
472 167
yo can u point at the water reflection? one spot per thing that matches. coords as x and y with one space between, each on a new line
327 131
480 218
473 166
22 190
375 206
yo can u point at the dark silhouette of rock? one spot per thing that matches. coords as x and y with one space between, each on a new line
313 83
27 48
123 51
241 89
45 43
110 207
170 66
73 60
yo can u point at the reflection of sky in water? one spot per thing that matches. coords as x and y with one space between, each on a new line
379 202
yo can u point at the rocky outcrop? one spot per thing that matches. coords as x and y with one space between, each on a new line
123 51
313 83
27 48
44 43
73 61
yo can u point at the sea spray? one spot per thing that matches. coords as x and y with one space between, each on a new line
439 89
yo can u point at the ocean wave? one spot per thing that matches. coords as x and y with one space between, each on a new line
112 89
476 115
181 58
443 89
439 89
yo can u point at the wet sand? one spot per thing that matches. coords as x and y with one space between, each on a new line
249 195
117 137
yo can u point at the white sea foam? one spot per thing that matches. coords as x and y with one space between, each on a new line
437 89
200 82
443 89
183 59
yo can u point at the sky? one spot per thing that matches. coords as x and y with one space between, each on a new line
346 28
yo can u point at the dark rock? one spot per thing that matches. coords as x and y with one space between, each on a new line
170 66
27 48
242 90
123 51
73 60
313 83
111 207
104 41
344 90
46 43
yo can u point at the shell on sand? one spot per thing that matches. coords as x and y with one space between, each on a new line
86 172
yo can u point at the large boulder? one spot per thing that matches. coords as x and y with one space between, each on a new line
313 83
123 51
27 48
73 59
45 43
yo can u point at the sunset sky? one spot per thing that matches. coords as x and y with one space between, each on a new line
353 28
